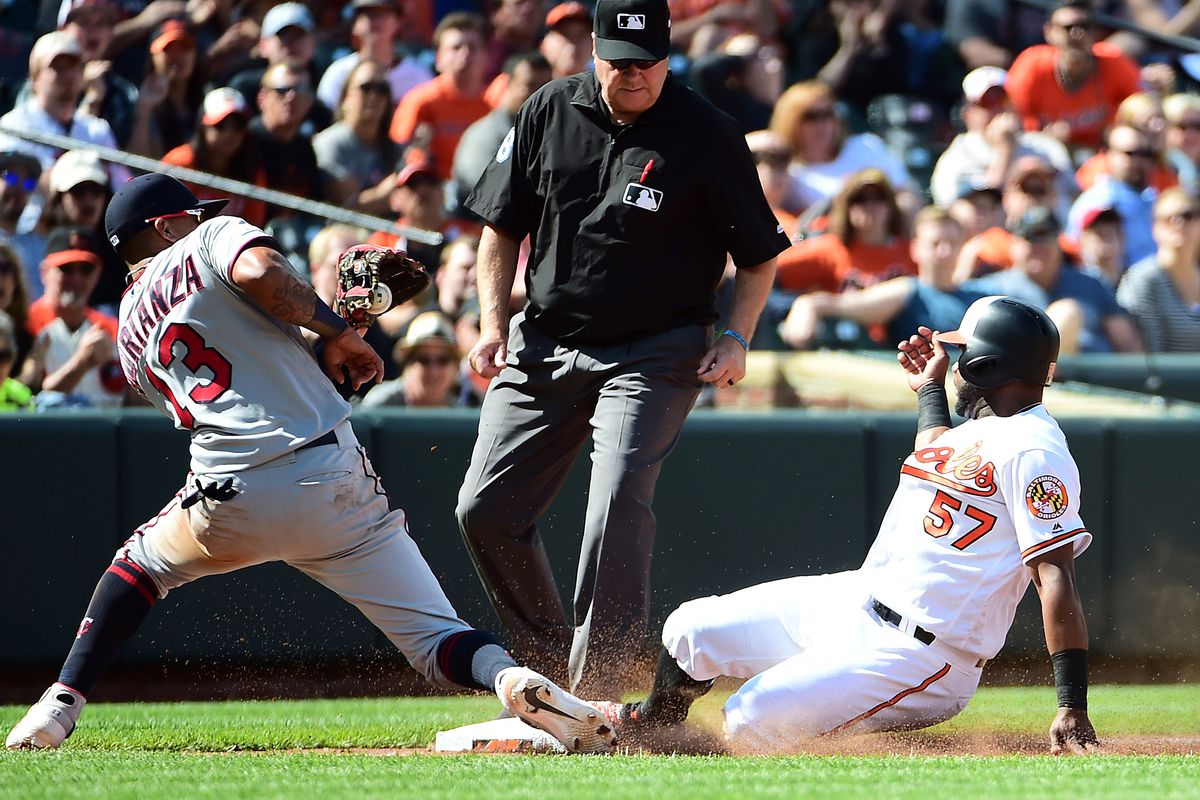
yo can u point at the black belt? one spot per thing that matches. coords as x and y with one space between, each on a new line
891 617
329 438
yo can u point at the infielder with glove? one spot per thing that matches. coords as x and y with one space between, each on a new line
210 334
901 642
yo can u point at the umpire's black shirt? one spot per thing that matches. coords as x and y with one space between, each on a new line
630 224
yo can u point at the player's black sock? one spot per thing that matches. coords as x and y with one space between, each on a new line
123 598
672 695
472 659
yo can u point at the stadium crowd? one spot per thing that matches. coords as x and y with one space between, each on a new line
920 154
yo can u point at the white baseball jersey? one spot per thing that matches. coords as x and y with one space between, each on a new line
972 509
210 359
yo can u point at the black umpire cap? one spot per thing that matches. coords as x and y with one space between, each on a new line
139 202
637 30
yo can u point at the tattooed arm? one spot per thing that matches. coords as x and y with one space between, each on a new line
269 280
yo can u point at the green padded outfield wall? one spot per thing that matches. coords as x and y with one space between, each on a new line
744 498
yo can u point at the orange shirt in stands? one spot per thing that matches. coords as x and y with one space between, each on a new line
439 105
253 211
41 315
1033 85
825 264
995 250
1163 177
450 231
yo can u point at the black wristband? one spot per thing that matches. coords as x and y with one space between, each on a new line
1071 677
326 323
933 409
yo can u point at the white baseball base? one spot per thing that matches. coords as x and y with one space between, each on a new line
509 735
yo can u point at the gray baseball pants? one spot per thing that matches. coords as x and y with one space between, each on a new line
633 399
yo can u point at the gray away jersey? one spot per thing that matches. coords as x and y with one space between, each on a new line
246 386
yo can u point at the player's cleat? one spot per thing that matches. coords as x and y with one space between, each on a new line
534 698
623 717
49 721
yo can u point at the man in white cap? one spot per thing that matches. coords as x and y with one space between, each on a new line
993 140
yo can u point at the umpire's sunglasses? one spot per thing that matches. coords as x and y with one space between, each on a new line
624 64
198 213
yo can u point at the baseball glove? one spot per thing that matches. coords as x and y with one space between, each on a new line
373 279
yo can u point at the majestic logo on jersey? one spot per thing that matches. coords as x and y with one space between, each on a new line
964 472
642 196
1046 497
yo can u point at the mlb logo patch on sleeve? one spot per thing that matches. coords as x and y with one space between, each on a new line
642 196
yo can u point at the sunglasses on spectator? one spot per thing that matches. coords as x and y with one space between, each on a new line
1034 189
1180 216
1187 125
87 187
1140 153
434 361
299 90
818 115
1083 26
232 122
8 268
378 87
17 179
6 356
868 197
624 64
84 267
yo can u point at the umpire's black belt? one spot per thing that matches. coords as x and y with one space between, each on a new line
893 618
329 438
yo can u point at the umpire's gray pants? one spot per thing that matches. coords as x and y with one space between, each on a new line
633 399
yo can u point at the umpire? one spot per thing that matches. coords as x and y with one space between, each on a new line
633 190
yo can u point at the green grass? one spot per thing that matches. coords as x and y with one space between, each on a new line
198 750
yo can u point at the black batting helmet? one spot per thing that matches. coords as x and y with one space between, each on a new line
1005 340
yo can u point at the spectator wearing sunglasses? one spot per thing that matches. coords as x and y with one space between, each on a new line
1182 112
823 155
72 358
1131 159
79 193
357 157
1071 86
222 147
993 140
1144 111
376 27
429 367
279 134
19 173
14 395
1162 291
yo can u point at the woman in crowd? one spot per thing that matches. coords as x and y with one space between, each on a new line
1143 111
823 155
14 301
1182 112
170 95
222 148
1162 291
429 367
356 151
79 194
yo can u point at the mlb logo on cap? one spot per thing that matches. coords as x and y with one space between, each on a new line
631 22
637 30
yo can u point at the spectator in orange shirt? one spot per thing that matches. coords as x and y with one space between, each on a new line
221 147
433 116
1143 111
1071 87
866 242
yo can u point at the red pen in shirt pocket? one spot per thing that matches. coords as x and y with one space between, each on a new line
646 171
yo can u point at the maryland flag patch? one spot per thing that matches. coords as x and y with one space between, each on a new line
1046 497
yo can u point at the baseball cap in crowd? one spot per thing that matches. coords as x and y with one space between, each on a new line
51 46
1037 224
75 167
1030 165
359 5
68 11
638 30
568 11
417 170
170 32
72 244
981 80
27 163
971 188
220 103
287 15
139 202
1094 216
428 328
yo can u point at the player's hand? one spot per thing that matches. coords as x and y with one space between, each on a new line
348 350
1072 732
923 358
489 355
724 364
